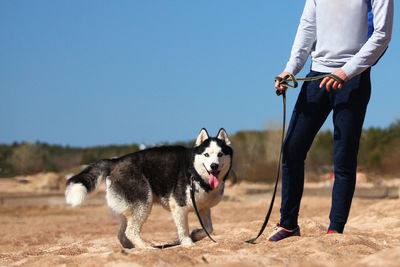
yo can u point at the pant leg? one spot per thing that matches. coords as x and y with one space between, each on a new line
308 116
349 108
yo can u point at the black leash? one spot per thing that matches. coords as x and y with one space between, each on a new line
251 241
285 82
195 208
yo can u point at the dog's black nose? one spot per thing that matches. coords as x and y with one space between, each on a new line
214 166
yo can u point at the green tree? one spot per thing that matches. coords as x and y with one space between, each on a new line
27 158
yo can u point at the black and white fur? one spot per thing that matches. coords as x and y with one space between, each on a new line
159 175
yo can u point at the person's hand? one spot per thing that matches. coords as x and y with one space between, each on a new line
332 83
282 75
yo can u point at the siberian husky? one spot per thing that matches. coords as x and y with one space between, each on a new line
160 175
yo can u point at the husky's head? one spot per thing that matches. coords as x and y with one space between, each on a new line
213 157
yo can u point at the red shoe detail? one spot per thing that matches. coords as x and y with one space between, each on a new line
280 233
332 232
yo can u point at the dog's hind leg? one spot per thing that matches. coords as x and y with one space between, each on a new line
125 242
198 234
136 216
133 199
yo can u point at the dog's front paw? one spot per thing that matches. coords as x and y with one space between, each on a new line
142 244
187 242
197 234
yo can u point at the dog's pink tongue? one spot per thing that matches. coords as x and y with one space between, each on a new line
213 181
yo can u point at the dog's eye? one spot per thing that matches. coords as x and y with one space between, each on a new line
206 155
220 154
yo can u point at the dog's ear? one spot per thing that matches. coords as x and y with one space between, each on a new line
224 136
203 135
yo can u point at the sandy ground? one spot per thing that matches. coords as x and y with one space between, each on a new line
58 235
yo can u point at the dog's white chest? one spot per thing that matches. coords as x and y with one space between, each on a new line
206 199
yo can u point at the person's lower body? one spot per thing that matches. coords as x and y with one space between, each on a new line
313 105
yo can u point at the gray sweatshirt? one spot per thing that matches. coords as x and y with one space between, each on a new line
336 34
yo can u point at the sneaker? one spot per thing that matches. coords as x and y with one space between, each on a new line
280 233
332 232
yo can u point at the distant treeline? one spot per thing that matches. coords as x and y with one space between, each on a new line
255 154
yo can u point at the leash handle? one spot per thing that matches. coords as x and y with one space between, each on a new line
290 78
285 82
196 210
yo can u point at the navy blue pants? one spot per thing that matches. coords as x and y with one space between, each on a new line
313 105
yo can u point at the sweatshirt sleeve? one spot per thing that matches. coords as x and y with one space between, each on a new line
304 40
373 49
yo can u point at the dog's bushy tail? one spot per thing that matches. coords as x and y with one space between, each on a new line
78 186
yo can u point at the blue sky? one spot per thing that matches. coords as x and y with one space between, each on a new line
85 73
